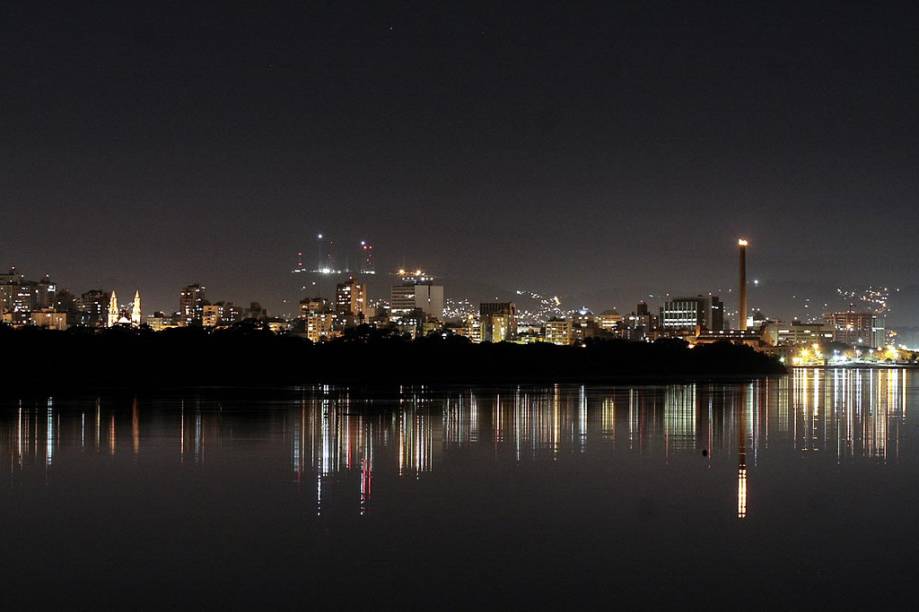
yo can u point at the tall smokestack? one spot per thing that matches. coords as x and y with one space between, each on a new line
742 310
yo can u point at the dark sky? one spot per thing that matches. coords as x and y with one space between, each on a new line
600 151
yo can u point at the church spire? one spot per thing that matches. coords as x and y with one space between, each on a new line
135 311
113 313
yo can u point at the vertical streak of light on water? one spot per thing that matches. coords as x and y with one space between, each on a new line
49 433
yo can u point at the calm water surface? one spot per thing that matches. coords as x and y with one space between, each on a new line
795 492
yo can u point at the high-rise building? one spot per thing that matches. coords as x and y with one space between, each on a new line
191 304
64 301
43 293
742 307
684 313
559 331
498 321
9 286
320 326
351 298
858 328
16 295
416 292
717 314
693 313
93 307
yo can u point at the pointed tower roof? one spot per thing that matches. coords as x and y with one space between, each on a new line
135 311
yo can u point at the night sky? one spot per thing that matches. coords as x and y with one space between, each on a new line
600 151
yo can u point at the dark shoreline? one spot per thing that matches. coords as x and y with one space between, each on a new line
120 359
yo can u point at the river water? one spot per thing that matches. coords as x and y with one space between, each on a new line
790 492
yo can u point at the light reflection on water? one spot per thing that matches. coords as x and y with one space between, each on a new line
654 464
848 414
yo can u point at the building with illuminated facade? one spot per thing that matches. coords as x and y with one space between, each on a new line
49 319
191 304
320 326
351 299
498 321
799 333
312 305
858 328
114 312
416 292
559 331
210 315
20 296
583 326
609 320
93 307
692 313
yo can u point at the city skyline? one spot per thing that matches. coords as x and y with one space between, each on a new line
553 148
898 305
466 305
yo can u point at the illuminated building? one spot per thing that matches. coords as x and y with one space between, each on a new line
411 323
857 328
609 320
559 331
320 326
583 326
49 319
759 339
688 313
467 327
498 321
351 298
799 333
43 293
93 306
136 316
742 309
228 312
16 295
191 304
210 315
312 305
114 313
276 325
416 292
159 321
496 327
640 324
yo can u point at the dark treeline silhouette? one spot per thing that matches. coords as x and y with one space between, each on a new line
249 355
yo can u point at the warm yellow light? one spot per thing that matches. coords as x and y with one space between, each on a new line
742 242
